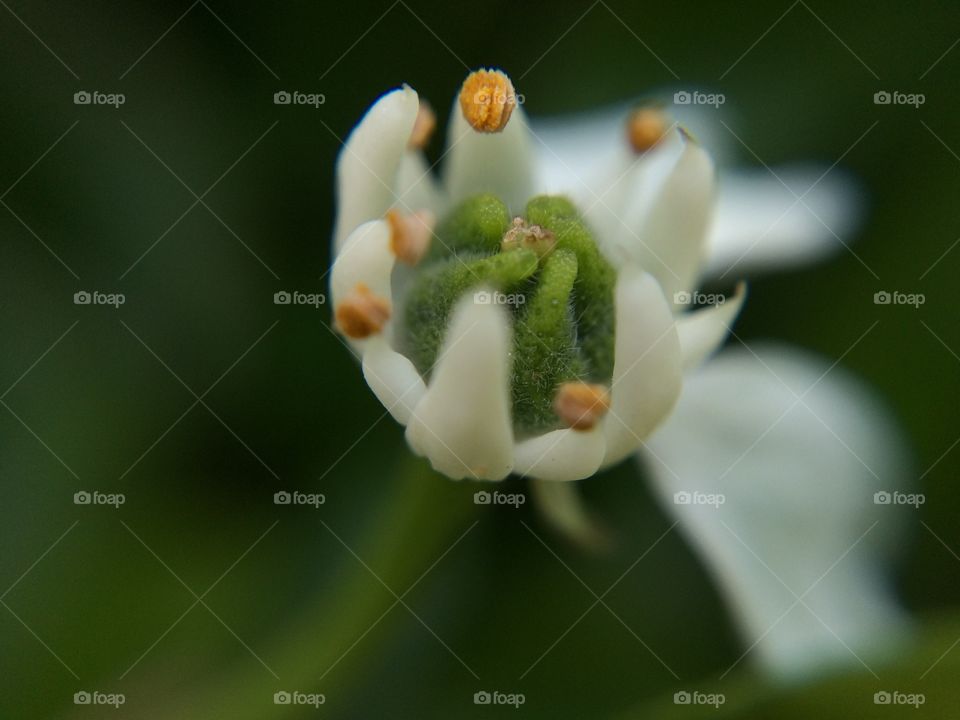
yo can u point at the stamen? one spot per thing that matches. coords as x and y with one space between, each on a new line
362 314
534 237
423 127
580 405
487 100
410 235
645 128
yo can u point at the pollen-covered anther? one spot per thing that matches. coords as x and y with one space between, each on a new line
410 234
532 237
362 313
423 126
487 99
645 128
580 405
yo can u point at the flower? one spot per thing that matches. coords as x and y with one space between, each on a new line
591 362
538 314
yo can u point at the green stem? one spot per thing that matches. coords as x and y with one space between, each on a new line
411 535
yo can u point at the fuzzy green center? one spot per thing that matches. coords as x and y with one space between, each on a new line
547 271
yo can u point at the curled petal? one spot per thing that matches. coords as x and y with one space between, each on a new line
366 259
368 164
619 200
560 455
647 369
703 331
673 235
393 379
582 149
463 423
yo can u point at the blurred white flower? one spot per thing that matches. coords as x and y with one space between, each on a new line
795 448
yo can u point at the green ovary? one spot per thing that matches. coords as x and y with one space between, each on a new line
561 302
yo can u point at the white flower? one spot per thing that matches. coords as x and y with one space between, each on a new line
461 421
795 449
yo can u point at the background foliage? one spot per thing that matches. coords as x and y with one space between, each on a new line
199 398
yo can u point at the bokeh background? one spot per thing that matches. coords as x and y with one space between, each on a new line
199 398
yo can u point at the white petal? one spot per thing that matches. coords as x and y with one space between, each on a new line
365 258
560 455
586 150
500 163
583 143
393 379
760 224
654 210
581 148
798 480
673 234
463 423
619 201
703 331
417 188
367 165
646 370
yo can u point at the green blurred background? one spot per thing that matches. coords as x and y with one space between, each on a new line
200 398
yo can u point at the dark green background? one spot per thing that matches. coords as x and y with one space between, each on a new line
294 412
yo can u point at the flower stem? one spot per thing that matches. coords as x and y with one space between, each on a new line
415 527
